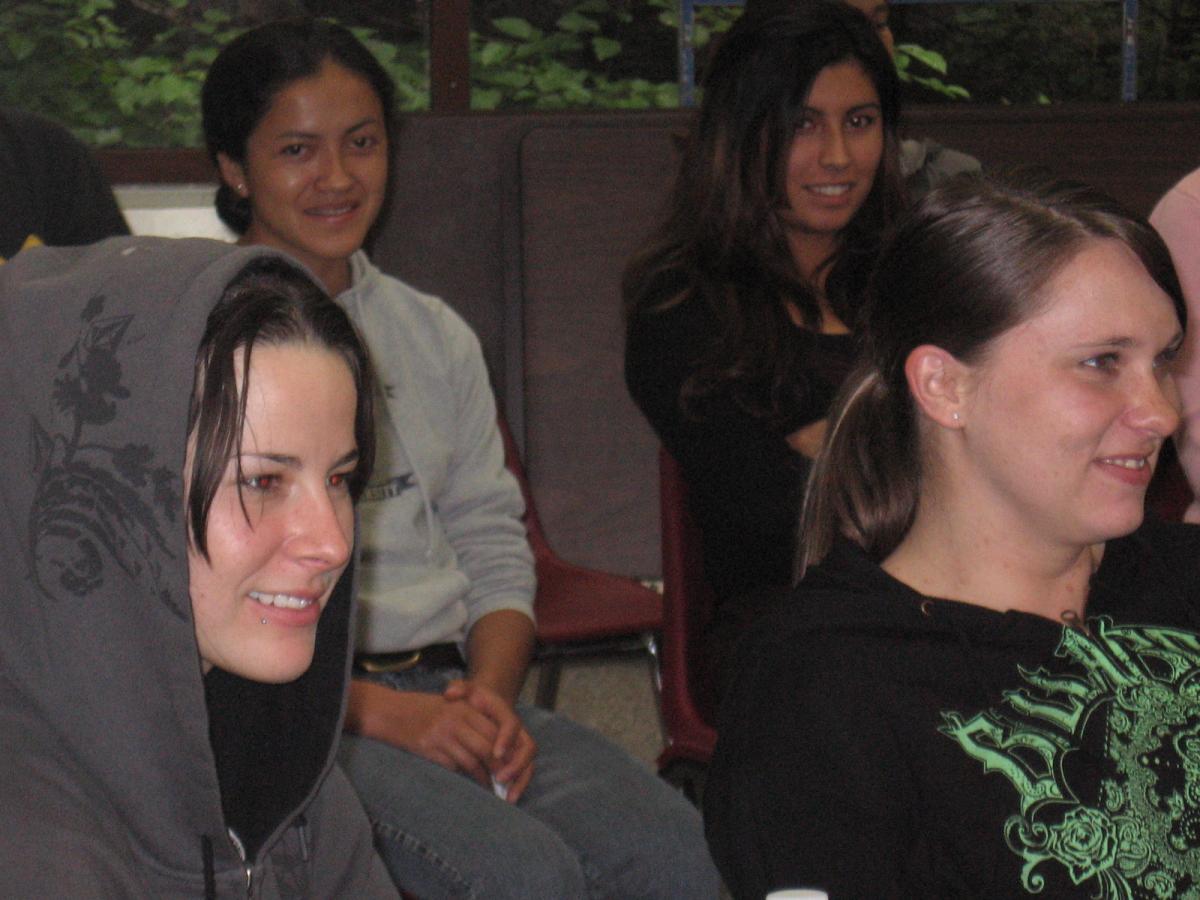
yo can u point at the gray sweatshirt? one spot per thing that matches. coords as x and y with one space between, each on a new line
119 760
443 540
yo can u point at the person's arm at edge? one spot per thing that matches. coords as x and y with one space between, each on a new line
731 457
1177 219
83 208
443 729
480 505
344 860
499 648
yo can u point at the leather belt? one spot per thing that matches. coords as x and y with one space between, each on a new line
435 656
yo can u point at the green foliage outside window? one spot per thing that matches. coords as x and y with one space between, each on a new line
568 65
128 72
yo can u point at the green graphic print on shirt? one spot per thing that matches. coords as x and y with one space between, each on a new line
1105 759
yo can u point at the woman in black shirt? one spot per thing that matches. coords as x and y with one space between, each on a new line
739 311
986 683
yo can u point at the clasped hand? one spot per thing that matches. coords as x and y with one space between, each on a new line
472 729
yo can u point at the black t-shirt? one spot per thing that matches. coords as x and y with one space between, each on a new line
882 744
746 483
50 187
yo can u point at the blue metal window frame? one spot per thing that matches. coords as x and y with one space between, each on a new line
687 36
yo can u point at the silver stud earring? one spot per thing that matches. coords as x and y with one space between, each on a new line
954 416
264 621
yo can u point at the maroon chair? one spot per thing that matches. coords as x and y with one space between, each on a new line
687 605
579 611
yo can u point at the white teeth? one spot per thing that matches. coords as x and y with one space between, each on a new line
1128 463
830 190
284 601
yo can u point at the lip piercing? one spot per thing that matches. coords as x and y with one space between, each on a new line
264 621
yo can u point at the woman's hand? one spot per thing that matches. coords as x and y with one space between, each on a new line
472 727
452 734
468 729
513 750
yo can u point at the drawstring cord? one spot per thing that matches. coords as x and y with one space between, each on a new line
1071 619
302 827
426 500
210 878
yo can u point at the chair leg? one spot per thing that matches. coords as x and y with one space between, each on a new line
547 689
650 643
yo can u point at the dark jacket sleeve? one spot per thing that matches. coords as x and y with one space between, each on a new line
805 788
737 462
52 186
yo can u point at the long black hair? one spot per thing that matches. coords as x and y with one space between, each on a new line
723 242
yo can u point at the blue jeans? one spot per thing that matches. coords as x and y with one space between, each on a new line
594 822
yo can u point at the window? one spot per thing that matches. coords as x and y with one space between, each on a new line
127 73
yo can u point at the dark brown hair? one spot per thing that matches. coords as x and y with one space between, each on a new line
269 303
722 243
246 76
969 263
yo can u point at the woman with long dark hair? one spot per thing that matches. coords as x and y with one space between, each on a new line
740 310
984 685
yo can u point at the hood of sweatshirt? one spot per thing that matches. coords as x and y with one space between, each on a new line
108 729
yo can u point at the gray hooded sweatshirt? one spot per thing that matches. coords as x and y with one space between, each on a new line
123 770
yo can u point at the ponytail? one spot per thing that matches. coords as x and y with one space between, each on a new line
233 210
854 489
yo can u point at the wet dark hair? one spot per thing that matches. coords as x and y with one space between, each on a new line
269 303
969 263
247 75
723 243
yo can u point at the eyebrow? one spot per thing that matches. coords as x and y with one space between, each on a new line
293 462
369 120
1124 342
1121 342
854 109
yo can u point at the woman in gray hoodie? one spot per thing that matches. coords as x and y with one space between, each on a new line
189 425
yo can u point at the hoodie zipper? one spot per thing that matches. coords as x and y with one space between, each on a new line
241 852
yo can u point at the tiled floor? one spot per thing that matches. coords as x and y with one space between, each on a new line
614 696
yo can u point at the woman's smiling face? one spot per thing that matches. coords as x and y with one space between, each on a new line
835 154
1068 410
277 546
315 171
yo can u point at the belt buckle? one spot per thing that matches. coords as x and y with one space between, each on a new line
378 666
